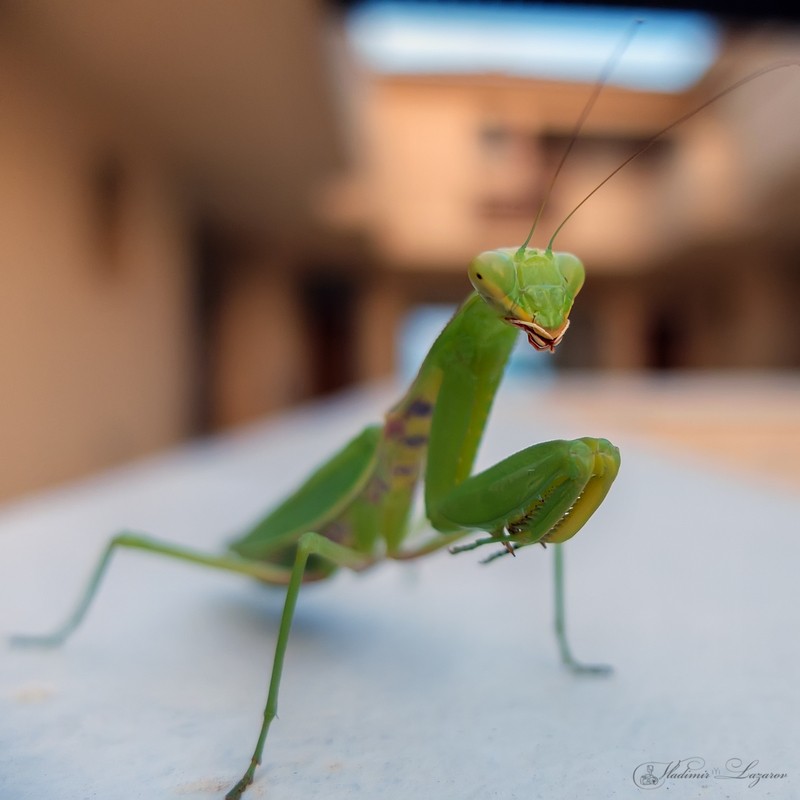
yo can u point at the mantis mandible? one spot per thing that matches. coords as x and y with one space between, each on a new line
354 510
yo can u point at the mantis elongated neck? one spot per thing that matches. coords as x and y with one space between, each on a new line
443 414
473 336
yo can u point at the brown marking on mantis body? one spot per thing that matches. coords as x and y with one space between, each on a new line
405 470
420 408
375 490
337 531
394 428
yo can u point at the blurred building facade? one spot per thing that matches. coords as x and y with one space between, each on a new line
156 162
691 253
209 216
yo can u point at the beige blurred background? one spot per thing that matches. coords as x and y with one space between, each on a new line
210 212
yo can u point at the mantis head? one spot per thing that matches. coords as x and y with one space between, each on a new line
531 289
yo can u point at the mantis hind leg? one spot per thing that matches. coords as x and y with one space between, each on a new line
255 569
309 545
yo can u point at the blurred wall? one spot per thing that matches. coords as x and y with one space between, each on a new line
94 256
159 255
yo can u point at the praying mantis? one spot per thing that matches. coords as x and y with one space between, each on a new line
354 510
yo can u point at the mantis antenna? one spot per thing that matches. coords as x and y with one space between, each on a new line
612 62
674 124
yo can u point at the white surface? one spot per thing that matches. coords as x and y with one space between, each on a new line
437 679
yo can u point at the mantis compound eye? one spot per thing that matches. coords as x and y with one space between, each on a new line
493 275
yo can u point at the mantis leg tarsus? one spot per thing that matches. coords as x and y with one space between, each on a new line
238 790
509 550
567 659
60 635
465 548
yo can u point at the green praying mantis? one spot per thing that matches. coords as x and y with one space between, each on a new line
354 510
